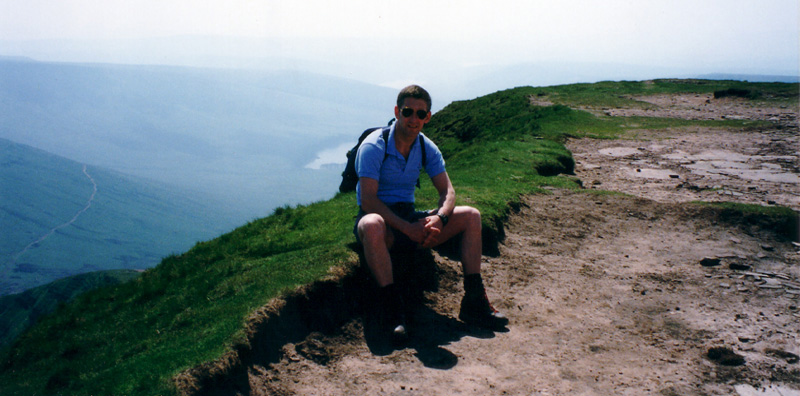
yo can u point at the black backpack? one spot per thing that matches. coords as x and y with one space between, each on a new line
349 176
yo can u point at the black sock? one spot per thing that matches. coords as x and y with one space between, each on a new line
391 296
388 290
473 285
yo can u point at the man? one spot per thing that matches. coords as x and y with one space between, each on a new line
388 172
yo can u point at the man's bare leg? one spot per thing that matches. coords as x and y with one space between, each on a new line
466 220
377 239
475 307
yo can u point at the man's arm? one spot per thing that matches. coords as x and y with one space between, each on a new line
371 204
447 201
447 194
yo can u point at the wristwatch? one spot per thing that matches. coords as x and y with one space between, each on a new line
444 218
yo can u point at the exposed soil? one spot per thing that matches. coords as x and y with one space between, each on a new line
759 166
608 294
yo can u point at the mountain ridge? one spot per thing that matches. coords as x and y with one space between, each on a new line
193 310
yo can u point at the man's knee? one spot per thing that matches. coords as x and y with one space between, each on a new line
371 224
372 228
472 212
471 215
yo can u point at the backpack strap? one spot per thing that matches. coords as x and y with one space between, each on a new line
385 143
422 148
424 157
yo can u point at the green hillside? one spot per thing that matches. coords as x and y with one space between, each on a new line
19 311
191 309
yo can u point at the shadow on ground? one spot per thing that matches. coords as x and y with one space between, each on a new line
320 310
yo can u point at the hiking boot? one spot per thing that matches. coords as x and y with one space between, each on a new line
394 313
477 310
399 333
396 319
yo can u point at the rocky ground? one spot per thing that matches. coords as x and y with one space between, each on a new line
608 294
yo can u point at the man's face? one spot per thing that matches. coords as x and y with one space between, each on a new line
408 116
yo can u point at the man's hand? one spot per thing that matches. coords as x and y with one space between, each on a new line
417 232
425 231
433 227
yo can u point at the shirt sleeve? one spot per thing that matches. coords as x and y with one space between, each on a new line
369 158
434 162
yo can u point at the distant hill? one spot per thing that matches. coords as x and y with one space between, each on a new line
237 135
61 218
19 311
750 77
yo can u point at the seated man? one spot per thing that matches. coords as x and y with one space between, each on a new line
388 172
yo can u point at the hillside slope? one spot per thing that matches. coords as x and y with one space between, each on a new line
20 311
62 218
207 320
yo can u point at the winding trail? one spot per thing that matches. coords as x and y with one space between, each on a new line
72 220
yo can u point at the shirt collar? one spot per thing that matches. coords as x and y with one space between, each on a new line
392 149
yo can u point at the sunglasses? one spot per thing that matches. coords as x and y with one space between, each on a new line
407 112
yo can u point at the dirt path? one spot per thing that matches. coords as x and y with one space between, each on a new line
607 294
759 166
68 223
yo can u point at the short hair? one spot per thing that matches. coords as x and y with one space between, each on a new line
416 92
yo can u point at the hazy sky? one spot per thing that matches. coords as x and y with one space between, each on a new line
756 34
663 22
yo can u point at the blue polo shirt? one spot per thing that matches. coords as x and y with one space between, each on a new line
396 177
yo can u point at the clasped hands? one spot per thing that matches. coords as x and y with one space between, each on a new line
426 231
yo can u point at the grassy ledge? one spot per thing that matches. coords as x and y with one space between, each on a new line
193 308
785 221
